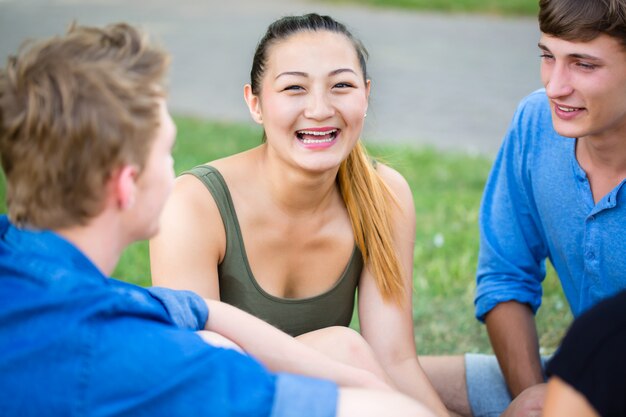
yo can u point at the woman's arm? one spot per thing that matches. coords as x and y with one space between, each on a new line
191 240
387 326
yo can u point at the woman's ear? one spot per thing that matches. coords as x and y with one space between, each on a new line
254 104
125 186
368 85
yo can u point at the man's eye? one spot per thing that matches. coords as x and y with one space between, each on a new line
586 66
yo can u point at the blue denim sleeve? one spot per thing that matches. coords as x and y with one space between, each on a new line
298 396
143 367
512 249
187 309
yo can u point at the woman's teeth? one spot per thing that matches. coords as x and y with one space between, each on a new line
314 136
316 140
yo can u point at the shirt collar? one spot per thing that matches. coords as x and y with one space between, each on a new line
48 244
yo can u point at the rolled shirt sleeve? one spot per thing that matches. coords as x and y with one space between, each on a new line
294 395
186 308
118 349
538 205
511 262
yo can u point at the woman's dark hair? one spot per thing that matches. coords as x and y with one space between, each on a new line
290 25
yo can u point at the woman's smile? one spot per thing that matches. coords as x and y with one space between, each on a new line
318 137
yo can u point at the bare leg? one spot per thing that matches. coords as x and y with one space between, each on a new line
447 375
367 403
347 346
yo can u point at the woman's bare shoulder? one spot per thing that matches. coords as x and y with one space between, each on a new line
395 181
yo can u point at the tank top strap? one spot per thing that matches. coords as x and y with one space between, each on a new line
215 183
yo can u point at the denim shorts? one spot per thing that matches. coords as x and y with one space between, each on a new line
487 392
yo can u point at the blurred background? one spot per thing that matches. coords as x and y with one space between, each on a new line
439 76
446 78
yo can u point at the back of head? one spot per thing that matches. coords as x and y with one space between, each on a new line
583 20
73 109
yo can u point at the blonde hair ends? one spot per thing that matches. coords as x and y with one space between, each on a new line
369 202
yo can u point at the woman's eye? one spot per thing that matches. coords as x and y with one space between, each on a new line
293 88
343 85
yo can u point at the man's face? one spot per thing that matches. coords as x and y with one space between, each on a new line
155 182
586 85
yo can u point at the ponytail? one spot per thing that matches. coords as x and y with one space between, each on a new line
369 202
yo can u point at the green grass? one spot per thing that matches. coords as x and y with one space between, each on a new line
447 188
495 7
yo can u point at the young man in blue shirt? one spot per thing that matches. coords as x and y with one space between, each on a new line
85 143
556 191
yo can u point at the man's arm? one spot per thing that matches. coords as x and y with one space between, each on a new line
513 335
513 249
280 352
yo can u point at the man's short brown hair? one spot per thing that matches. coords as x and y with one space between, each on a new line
583 20
73 109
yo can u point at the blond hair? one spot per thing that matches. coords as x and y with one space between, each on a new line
369 202
73 109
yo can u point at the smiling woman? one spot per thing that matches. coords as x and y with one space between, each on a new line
288 230
312 90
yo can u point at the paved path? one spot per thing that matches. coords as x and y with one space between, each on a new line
451 81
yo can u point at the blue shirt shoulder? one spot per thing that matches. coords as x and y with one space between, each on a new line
538 205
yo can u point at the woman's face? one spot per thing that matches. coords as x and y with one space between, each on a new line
313 99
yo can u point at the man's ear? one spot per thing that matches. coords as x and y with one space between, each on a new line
254 104
125 186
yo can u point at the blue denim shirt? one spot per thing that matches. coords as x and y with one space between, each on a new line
76 343
538 204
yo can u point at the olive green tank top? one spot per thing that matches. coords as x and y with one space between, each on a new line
238 286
